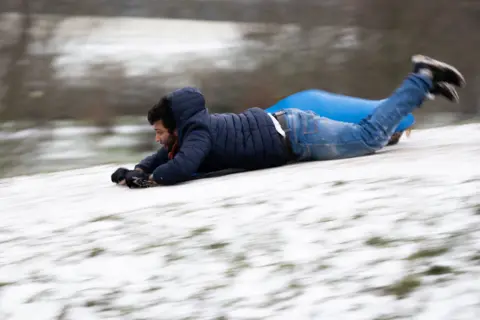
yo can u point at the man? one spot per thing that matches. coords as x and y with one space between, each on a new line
196 142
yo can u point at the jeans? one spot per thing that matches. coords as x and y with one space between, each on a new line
313 137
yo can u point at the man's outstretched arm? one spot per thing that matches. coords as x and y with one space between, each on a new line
185 164
151 162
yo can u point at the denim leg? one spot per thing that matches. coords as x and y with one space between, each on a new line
377 129
319 138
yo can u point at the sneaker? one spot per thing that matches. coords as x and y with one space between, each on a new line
395 138
441 71
445 90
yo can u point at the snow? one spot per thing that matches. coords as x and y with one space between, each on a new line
318 240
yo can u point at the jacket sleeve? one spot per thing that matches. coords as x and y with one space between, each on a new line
195 147
150 163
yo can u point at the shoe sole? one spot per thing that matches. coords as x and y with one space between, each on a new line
452 94
441 65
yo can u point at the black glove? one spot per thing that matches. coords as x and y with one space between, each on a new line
119 175
137 179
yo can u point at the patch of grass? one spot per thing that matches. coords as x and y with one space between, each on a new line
4 284
126 310
294 285
199 231
476 209
322 267
110 217
232 272
286 266
428 253
95 303
152 289
339 183
172 257
239 262
108 308
438 270
37 276
403 287
227 205
378 242
475 257
358 216
96 252
148 247
326 219
215 287
217 245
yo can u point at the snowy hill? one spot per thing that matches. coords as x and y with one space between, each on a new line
387 236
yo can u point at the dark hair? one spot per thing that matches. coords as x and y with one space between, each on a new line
162 110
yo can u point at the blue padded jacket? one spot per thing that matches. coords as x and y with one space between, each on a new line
213 142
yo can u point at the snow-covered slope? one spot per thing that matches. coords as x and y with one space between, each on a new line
392 235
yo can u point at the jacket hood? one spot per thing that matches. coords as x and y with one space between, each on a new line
186 103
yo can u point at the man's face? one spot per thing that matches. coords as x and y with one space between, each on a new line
162 135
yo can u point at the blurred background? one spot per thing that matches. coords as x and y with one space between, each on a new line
77 77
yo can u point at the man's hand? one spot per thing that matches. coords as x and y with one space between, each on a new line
119 175
138 179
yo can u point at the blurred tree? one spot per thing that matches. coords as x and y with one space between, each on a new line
357 47
16 58
392 31
365 52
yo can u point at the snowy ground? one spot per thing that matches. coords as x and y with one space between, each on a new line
394 235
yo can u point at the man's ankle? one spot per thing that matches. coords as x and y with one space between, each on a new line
426 72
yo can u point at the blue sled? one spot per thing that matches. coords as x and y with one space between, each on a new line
335 106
